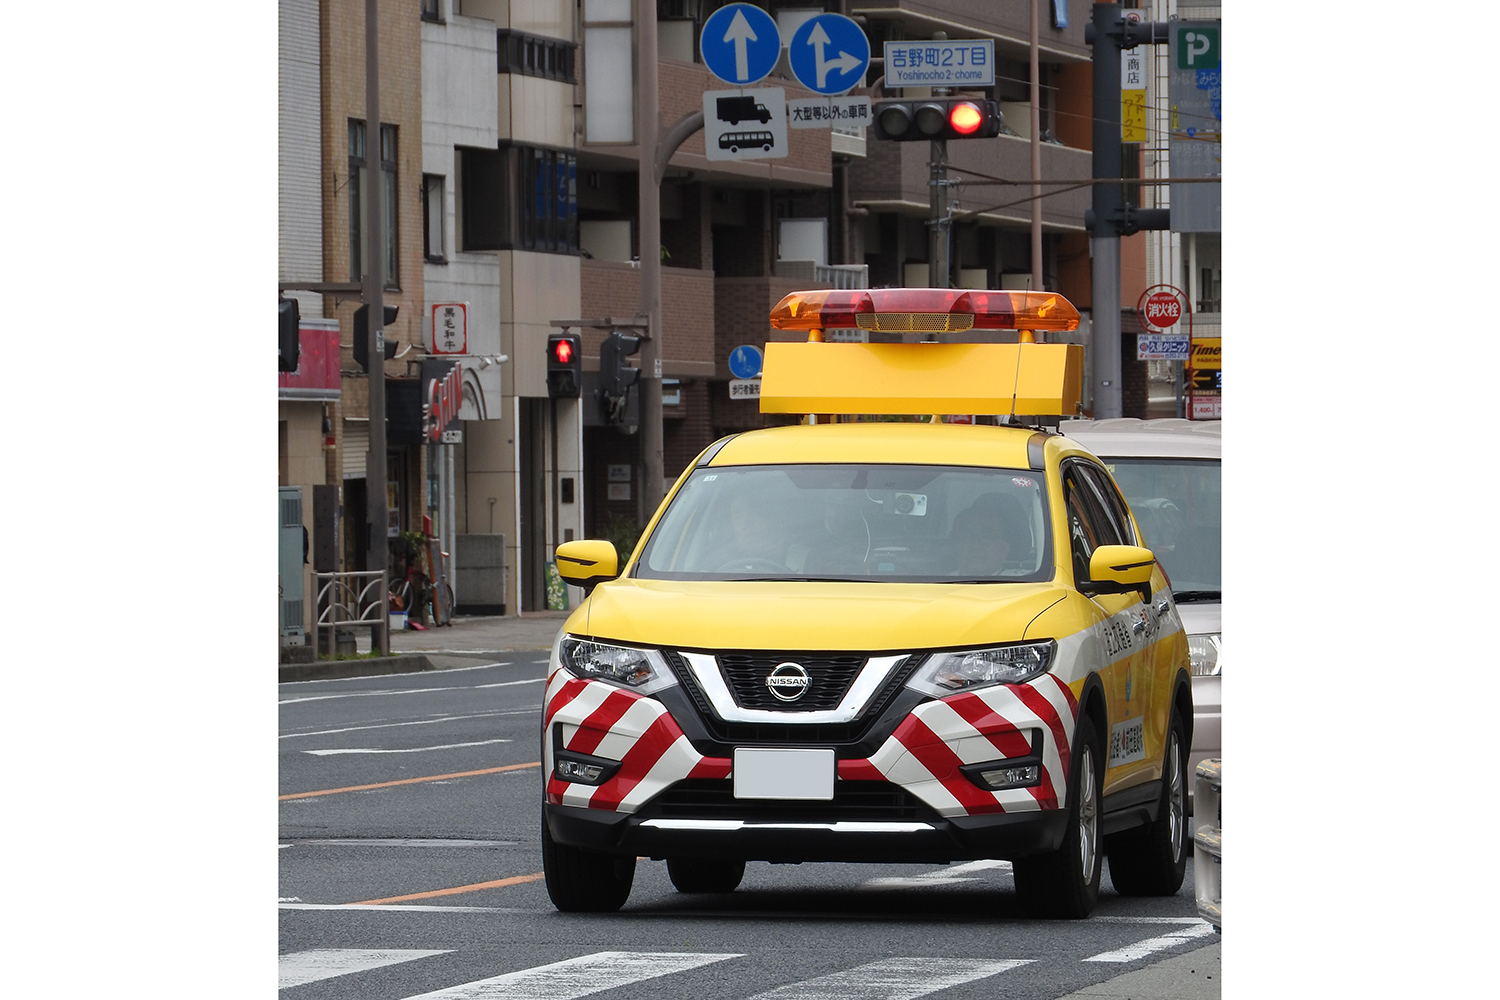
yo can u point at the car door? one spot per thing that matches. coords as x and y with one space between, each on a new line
1093 521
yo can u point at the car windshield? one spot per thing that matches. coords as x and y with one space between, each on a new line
1176 504
908 523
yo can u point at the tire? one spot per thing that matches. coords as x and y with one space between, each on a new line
1152 860
581 881
705 874
1065 883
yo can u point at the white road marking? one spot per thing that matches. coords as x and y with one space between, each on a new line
445 746
943 876
390 842
446 670
409 908
529 710
578 977
893 979
391 691
1141 949
303 967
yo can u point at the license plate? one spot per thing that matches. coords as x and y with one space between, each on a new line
783 774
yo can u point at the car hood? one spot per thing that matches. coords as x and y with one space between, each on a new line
829 616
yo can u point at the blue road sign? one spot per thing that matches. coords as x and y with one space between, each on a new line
740 44
744 361
829 54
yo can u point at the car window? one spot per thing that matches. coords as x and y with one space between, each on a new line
1176 502
1088 526
910 523
1110 502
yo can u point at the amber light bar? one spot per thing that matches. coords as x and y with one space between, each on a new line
924 310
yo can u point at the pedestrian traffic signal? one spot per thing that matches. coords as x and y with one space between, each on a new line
615 376
362 335
564 365
937 118
289 322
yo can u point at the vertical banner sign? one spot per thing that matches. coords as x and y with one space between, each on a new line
1195 143
450 328
1133 94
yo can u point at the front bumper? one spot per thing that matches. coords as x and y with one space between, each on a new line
930 839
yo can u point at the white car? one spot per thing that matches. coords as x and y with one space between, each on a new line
1168 470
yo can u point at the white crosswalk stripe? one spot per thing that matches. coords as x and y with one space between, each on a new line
892 979
300 967
1141 949
577 977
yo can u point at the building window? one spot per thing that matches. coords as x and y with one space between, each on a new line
431 12
358 188
434 246
533 55
518 197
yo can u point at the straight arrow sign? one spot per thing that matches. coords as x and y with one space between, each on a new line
740 34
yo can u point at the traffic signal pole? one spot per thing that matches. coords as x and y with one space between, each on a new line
373 201
653 464
1111 216
938 270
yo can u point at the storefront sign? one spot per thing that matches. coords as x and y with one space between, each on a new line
443 392
450 328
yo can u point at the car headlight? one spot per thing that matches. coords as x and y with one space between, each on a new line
947 674
643 671
1203 654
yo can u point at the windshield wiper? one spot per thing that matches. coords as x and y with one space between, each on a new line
1196 596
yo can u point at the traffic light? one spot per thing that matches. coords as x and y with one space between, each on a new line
362 335
288 323
615 376
937 118
564 365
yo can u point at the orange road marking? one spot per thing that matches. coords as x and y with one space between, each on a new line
409 781
516 880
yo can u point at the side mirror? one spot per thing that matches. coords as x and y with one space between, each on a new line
587 563
1119 569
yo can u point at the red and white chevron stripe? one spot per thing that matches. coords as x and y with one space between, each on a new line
607 721
923 755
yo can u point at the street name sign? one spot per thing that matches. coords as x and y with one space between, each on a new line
740 44
962 63
825 112
745 124
829 54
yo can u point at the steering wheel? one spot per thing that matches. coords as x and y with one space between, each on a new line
751 563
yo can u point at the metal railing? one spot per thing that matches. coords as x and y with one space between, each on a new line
353 599
1208 841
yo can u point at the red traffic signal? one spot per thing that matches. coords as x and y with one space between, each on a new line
564 365
937 118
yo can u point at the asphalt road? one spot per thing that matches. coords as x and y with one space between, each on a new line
410 864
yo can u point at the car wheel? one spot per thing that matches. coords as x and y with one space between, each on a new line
1065 883
1152 860
582 881
705 874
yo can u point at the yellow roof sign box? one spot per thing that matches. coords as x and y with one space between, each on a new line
922 378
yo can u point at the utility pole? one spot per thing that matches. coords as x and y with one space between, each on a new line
372 200
1112 216
653 463
1036 153
938 268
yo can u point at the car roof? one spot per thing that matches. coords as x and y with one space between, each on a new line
881 442
1132 437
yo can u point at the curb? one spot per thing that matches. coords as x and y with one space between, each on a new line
403 663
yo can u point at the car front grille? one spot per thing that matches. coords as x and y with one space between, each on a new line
829 677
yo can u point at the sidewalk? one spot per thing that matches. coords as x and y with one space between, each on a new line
1194 976
457 645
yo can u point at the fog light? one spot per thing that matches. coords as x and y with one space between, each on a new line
1011 777
572 770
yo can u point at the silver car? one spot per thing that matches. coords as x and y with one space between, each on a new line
1168 470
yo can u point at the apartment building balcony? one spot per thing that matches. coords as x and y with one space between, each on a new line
613 289
893 177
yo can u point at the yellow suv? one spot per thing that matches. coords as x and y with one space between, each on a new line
887 637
